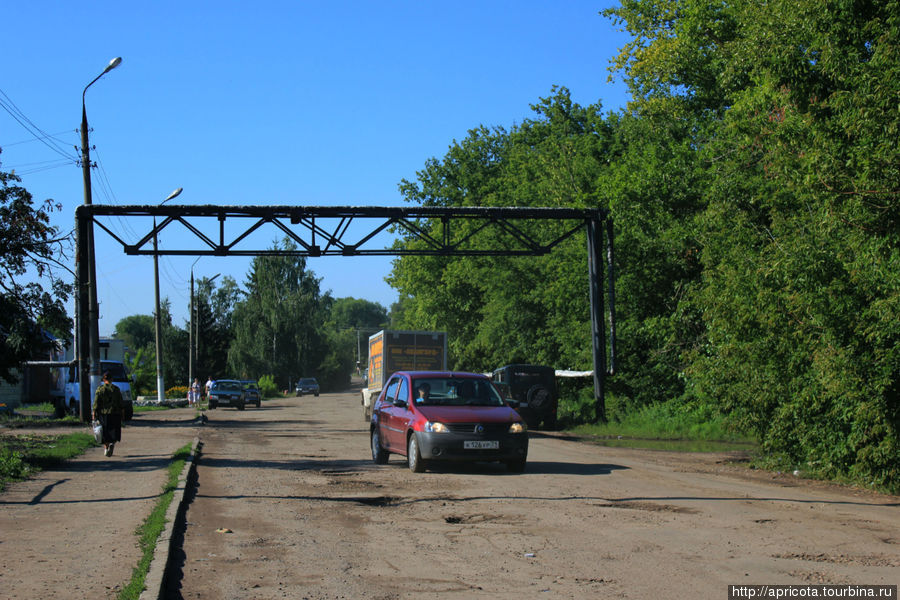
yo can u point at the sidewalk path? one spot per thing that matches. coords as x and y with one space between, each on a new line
70 532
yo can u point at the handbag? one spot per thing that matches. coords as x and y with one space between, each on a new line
98 430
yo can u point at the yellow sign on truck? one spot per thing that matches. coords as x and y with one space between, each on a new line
391 351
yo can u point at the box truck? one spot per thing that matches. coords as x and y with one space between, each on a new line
391 351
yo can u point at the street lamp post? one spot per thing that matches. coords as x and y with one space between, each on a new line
87 309
160 387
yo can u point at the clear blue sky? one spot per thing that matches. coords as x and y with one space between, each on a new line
289 103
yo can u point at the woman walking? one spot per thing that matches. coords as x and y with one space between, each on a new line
109 409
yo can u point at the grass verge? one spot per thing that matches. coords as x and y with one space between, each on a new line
141 409
21 456
667 426
148 533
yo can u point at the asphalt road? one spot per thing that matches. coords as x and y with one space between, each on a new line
288 504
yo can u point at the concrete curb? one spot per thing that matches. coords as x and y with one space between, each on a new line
155 583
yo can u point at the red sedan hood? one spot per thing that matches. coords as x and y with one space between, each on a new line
469 414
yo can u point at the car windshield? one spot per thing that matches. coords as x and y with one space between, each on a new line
455 391
227 386
307 382
250 385
116 371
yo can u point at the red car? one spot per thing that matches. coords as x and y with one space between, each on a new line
448 416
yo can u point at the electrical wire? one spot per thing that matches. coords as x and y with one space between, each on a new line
39 134
37 167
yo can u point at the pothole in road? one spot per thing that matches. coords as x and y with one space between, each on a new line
375 501
647 506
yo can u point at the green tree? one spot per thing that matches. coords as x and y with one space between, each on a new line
499 310
138 331
214 312
794 111
536 309
355 320
279 327
30 249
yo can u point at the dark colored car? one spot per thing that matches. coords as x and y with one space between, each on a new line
227 392
251 393
307 385
531 390
446 416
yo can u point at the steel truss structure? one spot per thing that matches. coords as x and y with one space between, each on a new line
326 231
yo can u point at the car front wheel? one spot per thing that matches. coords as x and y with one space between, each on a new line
414 459
379 455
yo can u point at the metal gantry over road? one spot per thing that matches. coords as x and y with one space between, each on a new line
212 230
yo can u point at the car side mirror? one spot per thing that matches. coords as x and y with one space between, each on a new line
400 403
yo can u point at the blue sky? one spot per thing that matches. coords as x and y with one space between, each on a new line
288 103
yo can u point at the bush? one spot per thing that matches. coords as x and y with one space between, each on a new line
267 386
11 465
576 404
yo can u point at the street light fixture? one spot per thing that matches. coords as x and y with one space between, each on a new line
88 312
160 387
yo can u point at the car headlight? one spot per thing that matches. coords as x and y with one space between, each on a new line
436 427
517 428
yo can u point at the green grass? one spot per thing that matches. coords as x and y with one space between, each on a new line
148 533
668 426
21 456
152 408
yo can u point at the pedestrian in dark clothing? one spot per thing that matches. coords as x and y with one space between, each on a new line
109 409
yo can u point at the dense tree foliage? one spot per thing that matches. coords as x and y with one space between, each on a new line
30 254
753 182
355 319
280 326
214 315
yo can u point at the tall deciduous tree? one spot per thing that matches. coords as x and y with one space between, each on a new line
214 322
794 105
29 248
280 328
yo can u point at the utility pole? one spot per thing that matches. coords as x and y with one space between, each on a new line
88 348
191 333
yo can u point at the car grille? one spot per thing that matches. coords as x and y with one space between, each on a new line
489 428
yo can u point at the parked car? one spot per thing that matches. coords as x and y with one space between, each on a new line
227 392
307 385
251 392
531 390
446 416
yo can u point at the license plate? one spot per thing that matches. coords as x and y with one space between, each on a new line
481 445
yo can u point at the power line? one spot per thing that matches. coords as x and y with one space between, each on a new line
39 134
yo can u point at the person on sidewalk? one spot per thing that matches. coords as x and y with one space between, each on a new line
109 409
194 395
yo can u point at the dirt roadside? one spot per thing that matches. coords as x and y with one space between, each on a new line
70 532
287 504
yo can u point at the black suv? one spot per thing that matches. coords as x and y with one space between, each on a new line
531 390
